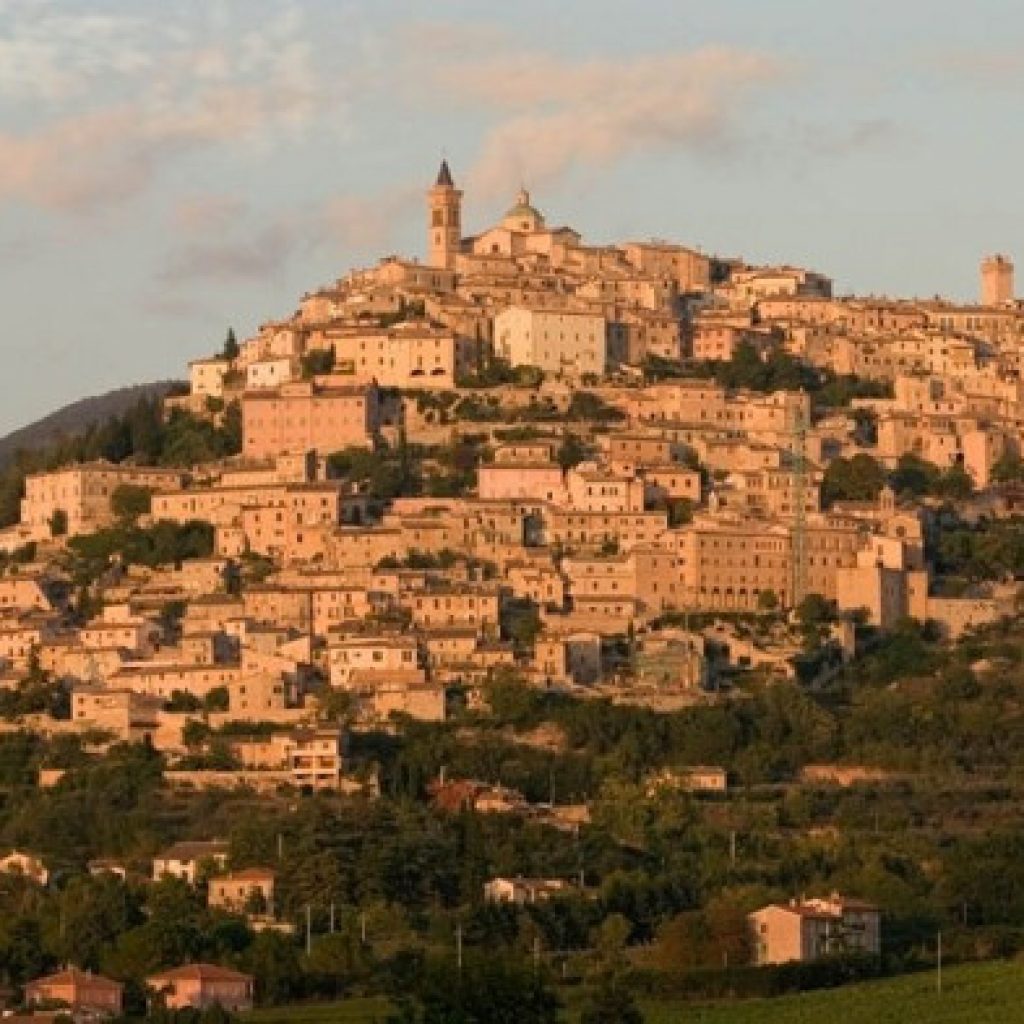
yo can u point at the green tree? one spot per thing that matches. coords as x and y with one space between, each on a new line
58 523
1008 468
273 960
571 452
217 699
93 912
610 1001
955 484
914 475
680 512
860 478
318 361
129 501
230 350
492 990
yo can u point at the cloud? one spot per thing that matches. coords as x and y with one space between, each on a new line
554 115
224 242
843 141
199 214
369 222
991 67
193 86
50 55
85 161
258 256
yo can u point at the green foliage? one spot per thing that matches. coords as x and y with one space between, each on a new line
230 349
495 371
142 434
987 550
188 440
37 695
571 452
130 501
859 478
840 391
610 1001
680 512
386 474
815 610
1008 468
657 368
318 361
58 523
163 543
416 559
520 620
454 467
491 990
778 371
216 699
919 477
585 405
183 702
171 614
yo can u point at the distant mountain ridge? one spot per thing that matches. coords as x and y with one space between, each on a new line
78 417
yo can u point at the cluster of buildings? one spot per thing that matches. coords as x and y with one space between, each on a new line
83 995
684 498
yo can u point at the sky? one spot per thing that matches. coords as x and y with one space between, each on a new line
168 169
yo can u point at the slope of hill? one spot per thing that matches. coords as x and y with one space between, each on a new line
79 416
983 993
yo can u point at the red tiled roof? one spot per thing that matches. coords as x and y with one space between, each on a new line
199 972
247 875
73 976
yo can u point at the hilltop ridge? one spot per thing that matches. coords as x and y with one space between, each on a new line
78 416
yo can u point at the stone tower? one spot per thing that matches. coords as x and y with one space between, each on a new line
444 226
996 280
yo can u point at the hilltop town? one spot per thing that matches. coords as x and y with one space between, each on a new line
601 511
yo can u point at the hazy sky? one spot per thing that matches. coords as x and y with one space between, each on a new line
169 167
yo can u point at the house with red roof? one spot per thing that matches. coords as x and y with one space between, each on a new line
203 985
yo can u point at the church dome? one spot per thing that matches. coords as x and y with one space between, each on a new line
522 216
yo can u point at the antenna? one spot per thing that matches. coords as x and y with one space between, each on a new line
799 449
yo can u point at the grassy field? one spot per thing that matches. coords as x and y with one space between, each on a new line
351 1011
991 993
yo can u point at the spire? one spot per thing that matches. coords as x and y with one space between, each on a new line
444 176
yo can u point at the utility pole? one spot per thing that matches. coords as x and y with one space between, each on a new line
332 917
280 846
536 952
938 965
732 847
458 947
362 927
309 930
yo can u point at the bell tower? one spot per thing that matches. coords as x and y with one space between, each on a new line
444 220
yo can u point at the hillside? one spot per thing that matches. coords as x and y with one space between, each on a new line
78 416
971 992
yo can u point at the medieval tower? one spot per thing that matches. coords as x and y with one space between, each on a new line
444 212
996 281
